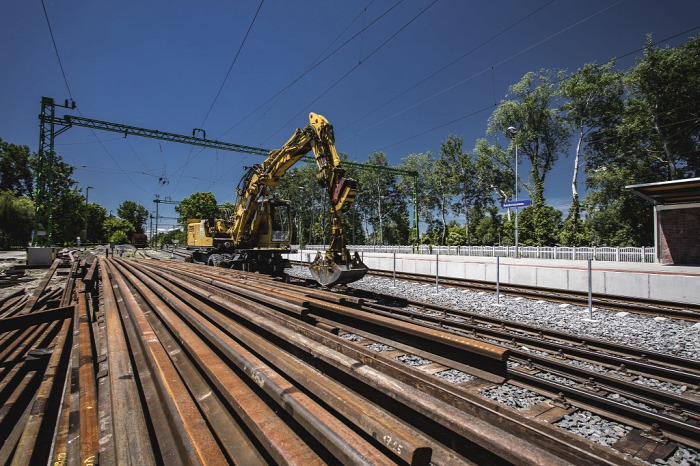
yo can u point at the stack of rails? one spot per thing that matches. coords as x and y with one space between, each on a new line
154 363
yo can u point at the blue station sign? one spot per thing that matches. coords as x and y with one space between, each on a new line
523 203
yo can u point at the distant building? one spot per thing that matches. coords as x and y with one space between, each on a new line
676 219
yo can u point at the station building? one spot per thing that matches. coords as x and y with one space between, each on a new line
676 219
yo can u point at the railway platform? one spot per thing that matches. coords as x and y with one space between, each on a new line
680 284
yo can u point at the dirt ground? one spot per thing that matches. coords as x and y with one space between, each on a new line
27 279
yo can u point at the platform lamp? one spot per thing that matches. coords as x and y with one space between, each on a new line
87 211
514 131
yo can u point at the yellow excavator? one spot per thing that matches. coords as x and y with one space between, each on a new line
255 235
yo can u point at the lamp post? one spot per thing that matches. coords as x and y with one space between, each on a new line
514 131
87 211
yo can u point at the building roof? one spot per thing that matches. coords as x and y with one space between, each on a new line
669 192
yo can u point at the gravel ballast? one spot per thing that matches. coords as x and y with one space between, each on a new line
648 333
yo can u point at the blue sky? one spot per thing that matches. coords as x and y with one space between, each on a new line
160 65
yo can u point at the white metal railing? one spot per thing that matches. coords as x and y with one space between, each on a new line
615 254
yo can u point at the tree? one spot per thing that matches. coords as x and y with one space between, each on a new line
307 198
593 108
197 205
68 217
15 171
423 165
135 214
118 230
531 232
16 217
664 108
472 192
381 204
488 230
655 140
542 134
96 216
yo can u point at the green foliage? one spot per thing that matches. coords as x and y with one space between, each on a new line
308 203
16 216
487 231
616 217
119 237
574 231
542 135
133 213
456 236
115 227
15 172
171 236
655 140
536 227
68 217
96 216
380 204
197 205
421 164
663 108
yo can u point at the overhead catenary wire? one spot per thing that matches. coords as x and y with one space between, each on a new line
228 73
65 79
484 71
55 47
311 68
190 157
317 61
351 70
453 62
479 73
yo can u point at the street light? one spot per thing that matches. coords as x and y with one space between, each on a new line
514 131
87 211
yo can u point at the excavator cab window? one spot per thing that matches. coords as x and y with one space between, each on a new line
280 222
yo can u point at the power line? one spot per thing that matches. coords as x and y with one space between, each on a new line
482 72
60 64
232 63
354 67
191 157
432 75
311 68
476 112
313 65
53 40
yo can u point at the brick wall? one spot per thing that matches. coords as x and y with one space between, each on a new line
679 236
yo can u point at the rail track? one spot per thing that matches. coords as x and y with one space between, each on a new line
593 374
152 362
611 302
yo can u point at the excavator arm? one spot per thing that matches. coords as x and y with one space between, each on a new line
336 265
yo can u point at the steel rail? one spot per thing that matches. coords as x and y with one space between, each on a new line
611 302
408 444
372 369
318 422
130 438
652 363
670 405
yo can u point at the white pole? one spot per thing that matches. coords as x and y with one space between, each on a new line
394 269
516 199
437 261
590 290
498 280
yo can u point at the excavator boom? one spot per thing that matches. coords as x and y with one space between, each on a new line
250 237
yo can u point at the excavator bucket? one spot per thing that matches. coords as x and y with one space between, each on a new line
328 272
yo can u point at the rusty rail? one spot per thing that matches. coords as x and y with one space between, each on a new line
151 362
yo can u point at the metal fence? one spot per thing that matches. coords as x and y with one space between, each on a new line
617 254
